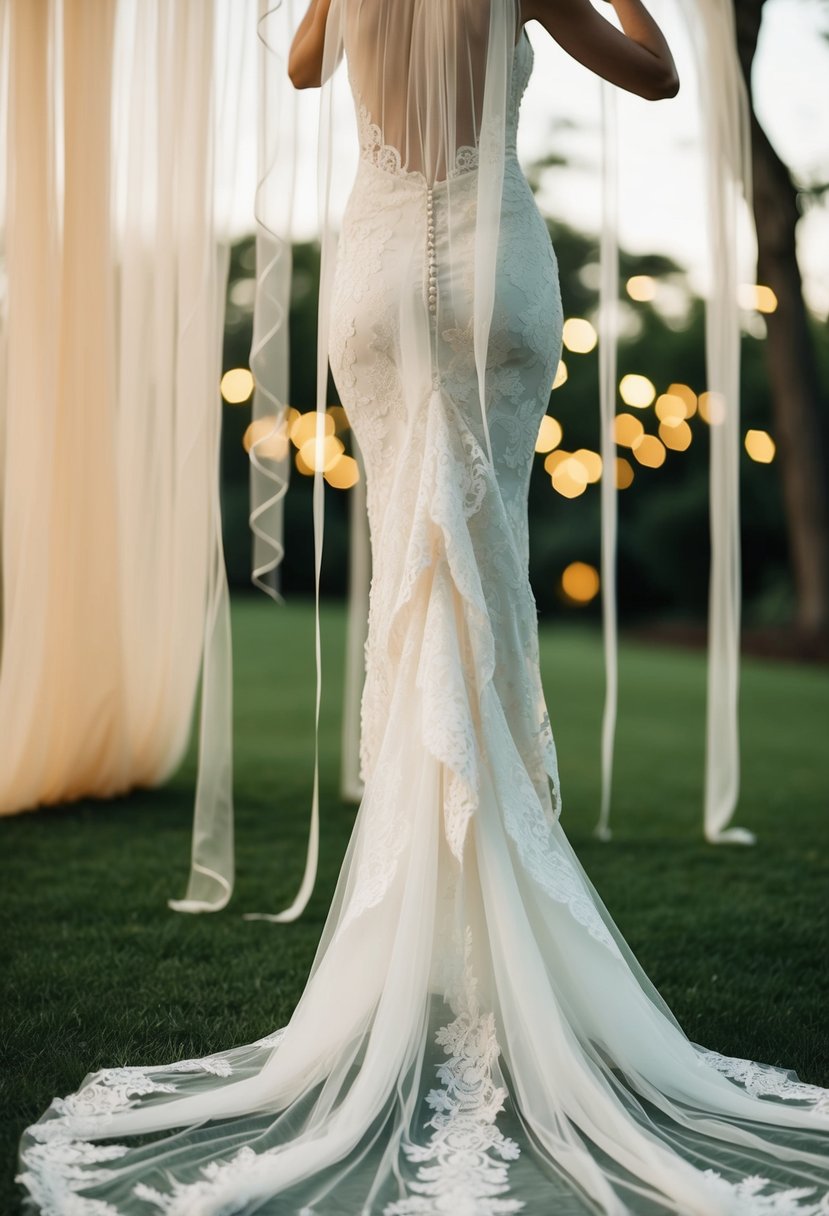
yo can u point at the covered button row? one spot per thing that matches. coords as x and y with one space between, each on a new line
430 246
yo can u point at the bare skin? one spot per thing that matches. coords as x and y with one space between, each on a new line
305 59
636 58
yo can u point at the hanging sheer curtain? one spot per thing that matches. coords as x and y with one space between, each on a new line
725 143
115 217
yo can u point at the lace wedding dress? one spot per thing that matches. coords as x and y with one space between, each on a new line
475 1036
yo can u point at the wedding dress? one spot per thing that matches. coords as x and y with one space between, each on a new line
475 1036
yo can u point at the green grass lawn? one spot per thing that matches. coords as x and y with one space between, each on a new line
99 972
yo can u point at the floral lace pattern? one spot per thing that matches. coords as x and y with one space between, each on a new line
388 158
87 1112
766 1081
463 1166
448 536
56 1172
745 1198
186 1198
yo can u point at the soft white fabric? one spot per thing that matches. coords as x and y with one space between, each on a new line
475 1036
114 231
725 149
727 146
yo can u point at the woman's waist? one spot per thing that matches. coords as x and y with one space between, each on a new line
390 181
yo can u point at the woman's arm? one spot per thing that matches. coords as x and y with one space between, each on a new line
638 60
305 58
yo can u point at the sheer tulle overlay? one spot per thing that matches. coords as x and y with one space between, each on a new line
475 1036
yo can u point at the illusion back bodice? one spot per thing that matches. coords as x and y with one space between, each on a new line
418 84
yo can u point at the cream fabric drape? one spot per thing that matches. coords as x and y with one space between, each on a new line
112 322
725 154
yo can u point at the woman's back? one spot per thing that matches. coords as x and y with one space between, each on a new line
417 69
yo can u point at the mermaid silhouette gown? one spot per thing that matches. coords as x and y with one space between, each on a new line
475 1036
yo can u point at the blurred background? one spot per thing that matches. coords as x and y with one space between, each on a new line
662 408
97 725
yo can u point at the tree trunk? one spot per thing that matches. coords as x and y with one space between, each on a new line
791 361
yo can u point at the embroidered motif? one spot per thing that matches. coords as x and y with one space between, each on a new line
463 1166
766 1081
749 1201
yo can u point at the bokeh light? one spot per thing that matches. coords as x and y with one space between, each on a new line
561 374
340 417
675 435
641 287
624 473
637 391
554 460
304 427
757 297
649 451
237 385
627 428
669 409
569 477
712 408
332 450
272 444
686 394
344 474
760 446
580 582
549 434
579 336
591 462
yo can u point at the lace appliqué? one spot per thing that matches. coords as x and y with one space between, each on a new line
217 1176
750 1202
463 1167
387 157
86 1112
57 1166
56 1172
766 1081
273 1039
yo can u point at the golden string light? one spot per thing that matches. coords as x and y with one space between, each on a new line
757 297
331 450
675 435
271 440
549 434
569 477
637 391
711 407
685 394
237 385
554 459
304 427
641 287
344 474
579 336
669 409
649 451
760 446
624 473
627 428
580 582
591 462
339 416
